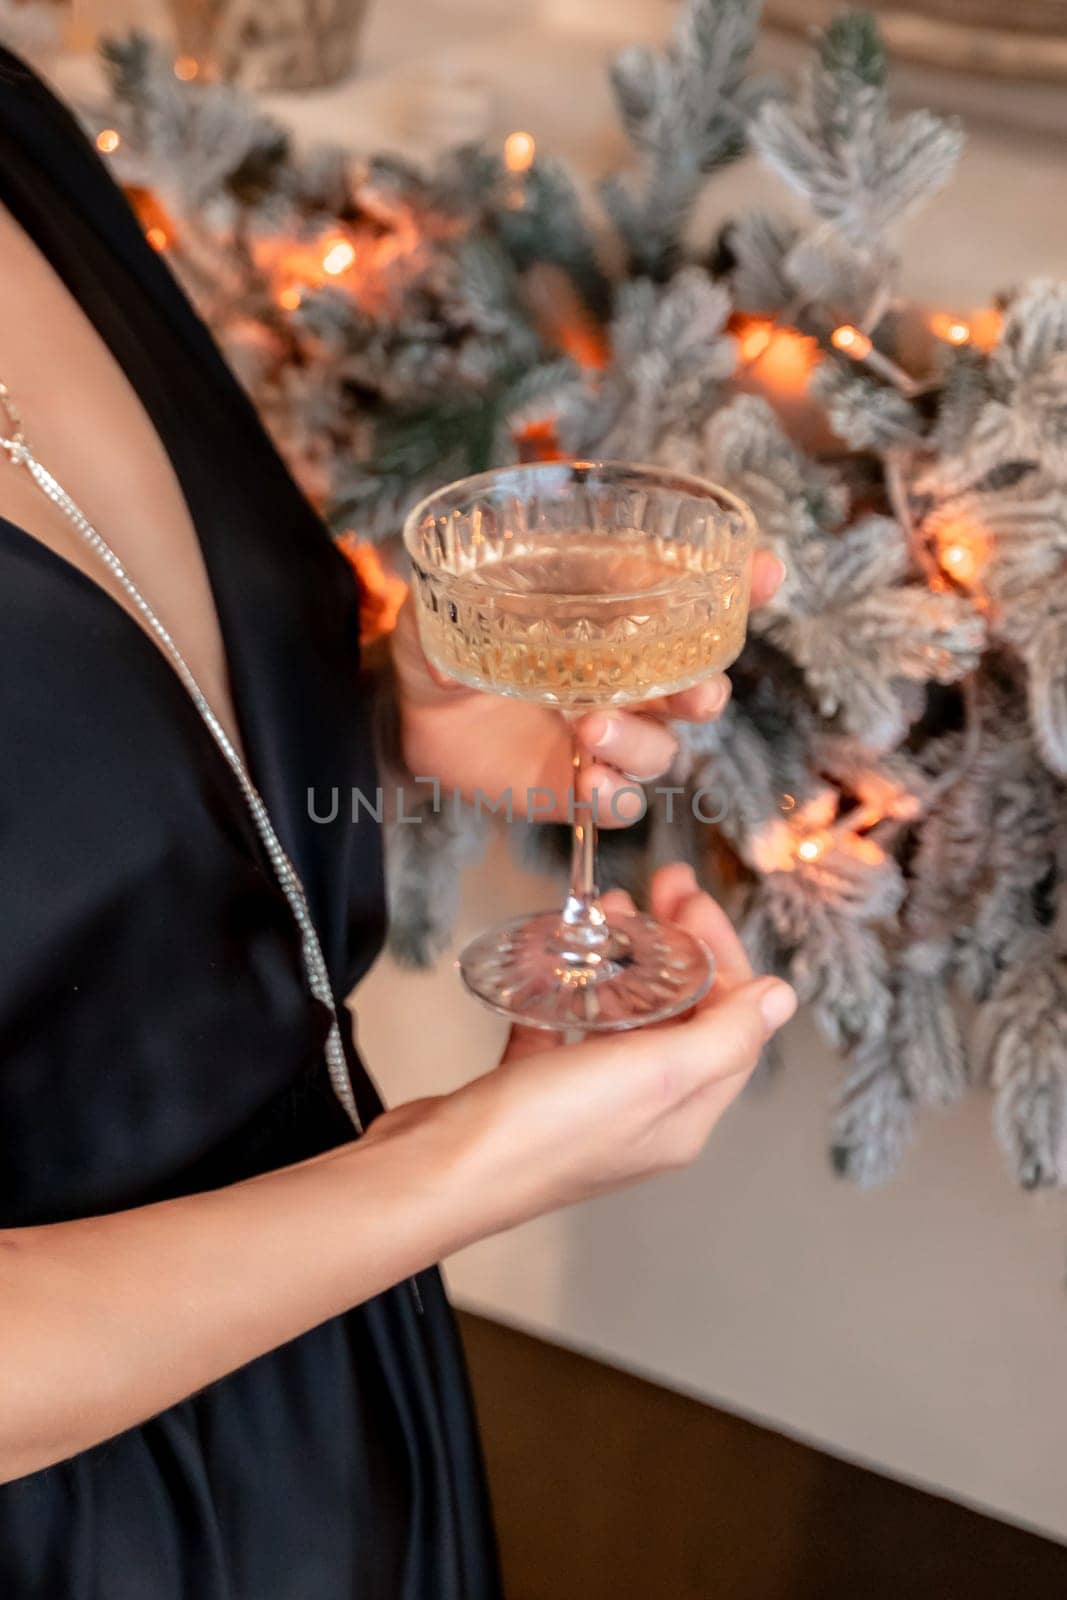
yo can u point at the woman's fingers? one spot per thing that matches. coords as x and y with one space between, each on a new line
720 1041
725 1039
633 744
707 700
676 897
625 743
670 888
702 703
620 800
768 573
616 902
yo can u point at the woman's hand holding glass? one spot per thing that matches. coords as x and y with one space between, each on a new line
553 1126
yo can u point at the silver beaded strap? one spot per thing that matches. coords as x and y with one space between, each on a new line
318 979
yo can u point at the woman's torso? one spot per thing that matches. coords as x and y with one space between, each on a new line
156 1034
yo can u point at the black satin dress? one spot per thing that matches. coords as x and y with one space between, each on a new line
156 1034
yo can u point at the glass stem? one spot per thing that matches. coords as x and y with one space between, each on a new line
583 923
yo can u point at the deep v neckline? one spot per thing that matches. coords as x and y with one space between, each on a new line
71 572
117 615
286 602
158 373
89 254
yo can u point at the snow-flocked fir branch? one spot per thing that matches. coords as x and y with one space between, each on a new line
687 111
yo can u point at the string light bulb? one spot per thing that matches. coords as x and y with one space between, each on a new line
108 141
289 298
962 546
157 238
810 849
519 151
186 68
961 563
851 341
855 344
953 330
338 257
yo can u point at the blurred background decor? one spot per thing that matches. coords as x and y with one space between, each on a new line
1029 40
33 28
270 44
890 774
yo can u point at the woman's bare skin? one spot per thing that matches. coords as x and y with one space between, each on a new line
87 426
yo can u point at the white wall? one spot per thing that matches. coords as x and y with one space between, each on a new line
921 1328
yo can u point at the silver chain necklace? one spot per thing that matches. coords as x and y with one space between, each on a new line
318 980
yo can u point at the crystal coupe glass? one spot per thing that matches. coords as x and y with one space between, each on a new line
580 585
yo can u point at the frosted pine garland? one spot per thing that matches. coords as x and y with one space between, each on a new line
892 765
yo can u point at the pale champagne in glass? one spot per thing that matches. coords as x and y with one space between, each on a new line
523 625
582 584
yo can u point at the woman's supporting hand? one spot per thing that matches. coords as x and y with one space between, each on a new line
557 1123
470 741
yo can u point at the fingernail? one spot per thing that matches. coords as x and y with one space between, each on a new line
777 1004
723 690
783 570
599 732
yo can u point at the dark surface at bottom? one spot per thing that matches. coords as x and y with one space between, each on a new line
608 1487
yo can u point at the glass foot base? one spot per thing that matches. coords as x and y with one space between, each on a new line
644 972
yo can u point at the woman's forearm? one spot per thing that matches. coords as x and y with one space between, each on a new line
107 1321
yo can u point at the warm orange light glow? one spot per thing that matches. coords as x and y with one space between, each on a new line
186 68
563 319
156 223
375 266
952 329
381 592
962 547
108 141
785 363
961 563
754 337
338 257
985 327
869 851
585 341
538 440
289 298
851 341
519 151
801 834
